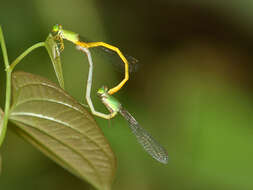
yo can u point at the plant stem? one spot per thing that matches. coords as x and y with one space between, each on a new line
9 69
19 58
8 88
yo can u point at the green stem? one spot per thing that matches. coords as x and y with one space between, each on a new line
8 88
25 53
9 69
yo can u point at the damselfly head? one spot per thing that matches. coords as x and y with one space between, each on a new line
57 28
102 91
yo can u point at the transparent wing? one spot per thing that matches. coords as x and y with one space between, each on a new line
145 139
113 57
132 62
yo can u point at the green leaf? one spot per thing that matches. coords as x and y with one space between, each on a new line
54 53
61 128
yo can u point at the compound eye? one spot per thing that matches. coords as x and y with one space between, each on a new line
57 27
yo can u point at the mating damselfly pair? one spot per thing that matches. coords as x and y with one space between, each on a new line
149 144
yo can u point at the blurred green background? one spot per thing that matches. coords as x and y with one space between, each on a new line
193 90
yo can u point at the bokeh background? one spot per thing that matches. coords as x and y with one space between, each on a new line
193 90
